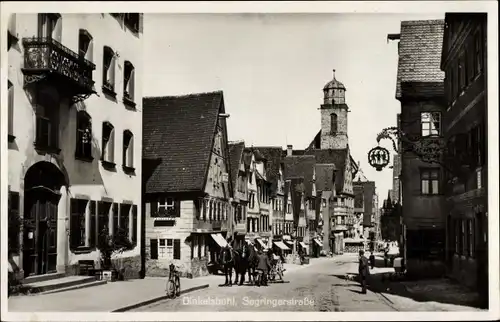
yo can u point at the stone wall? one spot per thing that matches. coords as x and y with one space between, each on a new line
339 140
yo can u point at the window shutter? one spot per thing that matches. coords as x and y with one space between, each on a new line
110 150
93 224
131 84
153 248
134 224
177 208
116 223
130 152
177 249
57 31
11 109
110 76
153 208
89 55
74 222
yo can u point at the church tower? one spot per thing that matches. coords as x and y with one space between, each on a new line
334 116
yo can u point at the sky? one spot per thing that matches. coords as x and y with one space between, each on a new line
272 69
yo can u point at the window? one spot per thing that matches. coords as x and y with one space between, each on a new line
128 151
108 144
11 111
429 181
108 71
50 26
470 237
167 249
85 45
78 211
116 219
431 123
469 54
168 207
333 123
132 21
83 136
463 234
128 83
47 128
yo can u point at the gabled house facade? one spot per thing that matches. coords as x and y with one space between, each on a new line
239 175
73 157
420 90
187 182
264 198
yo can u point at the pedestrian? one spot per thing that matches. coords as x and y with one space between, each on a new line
363 270
386 256
263 266
372 260
227 261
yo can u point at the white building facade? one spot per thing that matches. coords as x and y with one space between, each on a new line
75 129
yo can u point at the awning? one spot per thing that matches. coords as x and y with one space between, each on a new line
302 244
261 242
281 245
219 240
318 242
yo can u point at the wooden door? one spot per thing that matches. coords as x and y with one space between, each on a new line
40 233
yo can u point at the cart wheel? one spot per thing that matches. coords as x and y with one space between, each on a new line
170 289
177 286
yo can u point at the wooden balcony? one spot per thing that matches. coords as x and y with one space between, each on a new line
47 60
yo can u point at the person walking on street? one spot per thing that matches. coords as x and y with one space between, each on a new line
372 260
363 270
263 266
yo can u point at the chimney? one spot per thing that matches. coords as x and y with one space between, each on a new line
289 149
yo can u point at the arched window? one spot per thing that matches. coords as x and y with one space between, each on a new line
128 82
85 45
128 150
333 123
108 70
83 136
108 143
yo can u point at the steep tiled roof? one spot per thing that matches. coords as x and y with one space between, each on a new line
273 157
325 176
301 167
420 52
336 157
235 158
179 132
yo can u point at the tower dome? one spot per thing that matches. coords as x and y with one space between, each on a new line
334 91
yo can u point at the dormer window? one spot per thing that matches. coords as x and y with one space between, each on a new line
166 204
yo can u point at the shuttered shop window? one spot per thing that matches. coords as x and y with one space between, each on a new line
153 249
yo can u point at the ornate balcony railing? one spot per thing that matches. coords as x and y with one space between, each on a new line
46 58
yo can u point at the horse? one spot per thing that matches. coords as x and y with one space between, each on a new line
250 261
227 260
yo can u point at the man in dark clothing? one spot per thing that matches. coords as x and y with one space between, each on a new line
372 260
263 266
363 270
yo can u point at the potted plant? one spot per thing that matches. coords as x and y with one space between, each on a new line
109 246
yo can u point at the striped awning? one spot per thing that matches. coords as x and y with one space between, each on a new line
281 245
219 240
261 242
317 241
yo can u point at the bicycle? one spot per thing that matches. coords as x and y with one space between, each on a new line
174 282
276 270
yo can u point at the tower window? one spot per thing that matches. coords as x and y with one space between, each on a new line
333 123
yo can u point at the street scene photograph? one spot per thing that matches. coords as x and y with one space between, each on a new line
249 162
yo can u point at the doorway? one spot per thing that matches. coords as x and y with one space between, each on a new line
41 198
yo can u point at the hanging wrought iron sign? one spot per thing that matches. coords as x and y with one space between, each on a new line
378 157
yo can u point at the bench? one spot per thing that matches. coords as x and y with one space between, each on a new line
86 268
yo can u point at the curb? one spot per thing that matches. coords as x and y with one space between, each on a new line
159 298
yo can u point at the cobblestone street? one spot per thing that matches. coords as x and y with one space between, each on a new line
312 288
